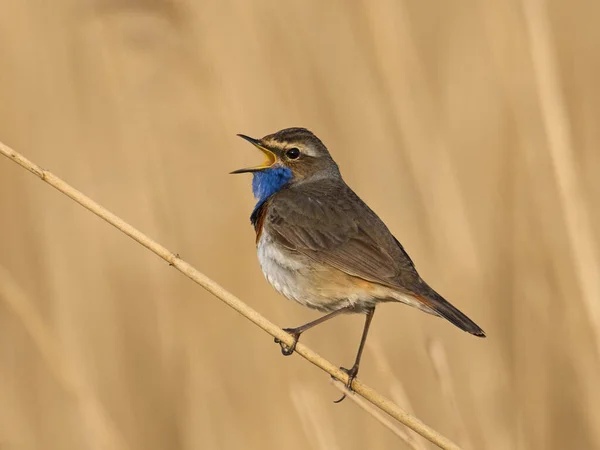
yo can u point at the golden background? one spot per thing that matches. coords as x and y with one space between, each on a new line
470 127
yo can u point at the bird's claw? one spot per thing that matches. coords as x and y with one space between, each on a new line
351 376
285 350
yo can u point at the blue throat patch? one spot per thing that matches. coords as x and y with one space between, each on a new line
267 182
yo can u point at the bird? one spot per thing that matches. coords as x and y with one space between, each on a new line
320 245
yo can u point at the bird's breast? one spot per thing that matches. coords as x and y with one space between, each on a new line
309 283
280 267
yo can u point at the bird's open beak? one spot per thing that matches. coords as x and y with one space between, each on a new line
271 157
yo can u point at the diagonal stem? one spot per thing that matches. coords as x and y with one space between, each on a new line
217 290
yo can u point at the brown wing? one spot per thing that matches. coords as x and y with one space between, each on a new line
326 221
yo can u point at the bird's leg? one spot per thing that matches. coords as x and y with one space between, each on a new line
354 370
296 332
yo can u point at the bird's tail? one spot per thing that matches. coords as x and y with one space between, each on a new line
442 308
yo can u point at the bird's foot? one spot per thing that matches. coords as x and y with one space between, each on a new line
351 376
285 349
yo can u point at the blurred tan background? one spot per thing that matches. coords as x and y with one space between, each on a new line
471 127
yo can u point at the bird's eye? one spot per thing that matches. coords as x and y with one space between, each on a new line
293 153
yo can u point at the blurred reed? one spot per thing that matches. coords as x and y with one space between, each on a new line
470 127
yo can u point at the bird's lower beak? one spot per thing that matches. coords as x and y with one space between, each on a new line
271 157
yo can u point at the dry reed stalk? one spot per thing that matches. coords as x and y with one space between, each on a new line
572 200
317 427
558 129
411 106
439 360
396 388
231 300
385 421
105 433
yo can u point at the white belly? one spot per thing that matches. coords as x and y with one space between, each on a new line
298 278
280 270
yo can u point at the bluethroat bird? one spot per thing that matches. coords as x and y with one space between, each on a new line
319 244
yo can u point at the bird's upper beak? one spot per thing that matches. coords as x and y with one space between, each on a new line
271 157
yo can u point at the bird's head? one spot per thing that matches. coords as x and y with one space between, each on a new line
293 155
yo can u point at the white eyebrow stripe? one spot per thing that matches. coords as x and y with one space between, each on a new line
285 146
307 151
